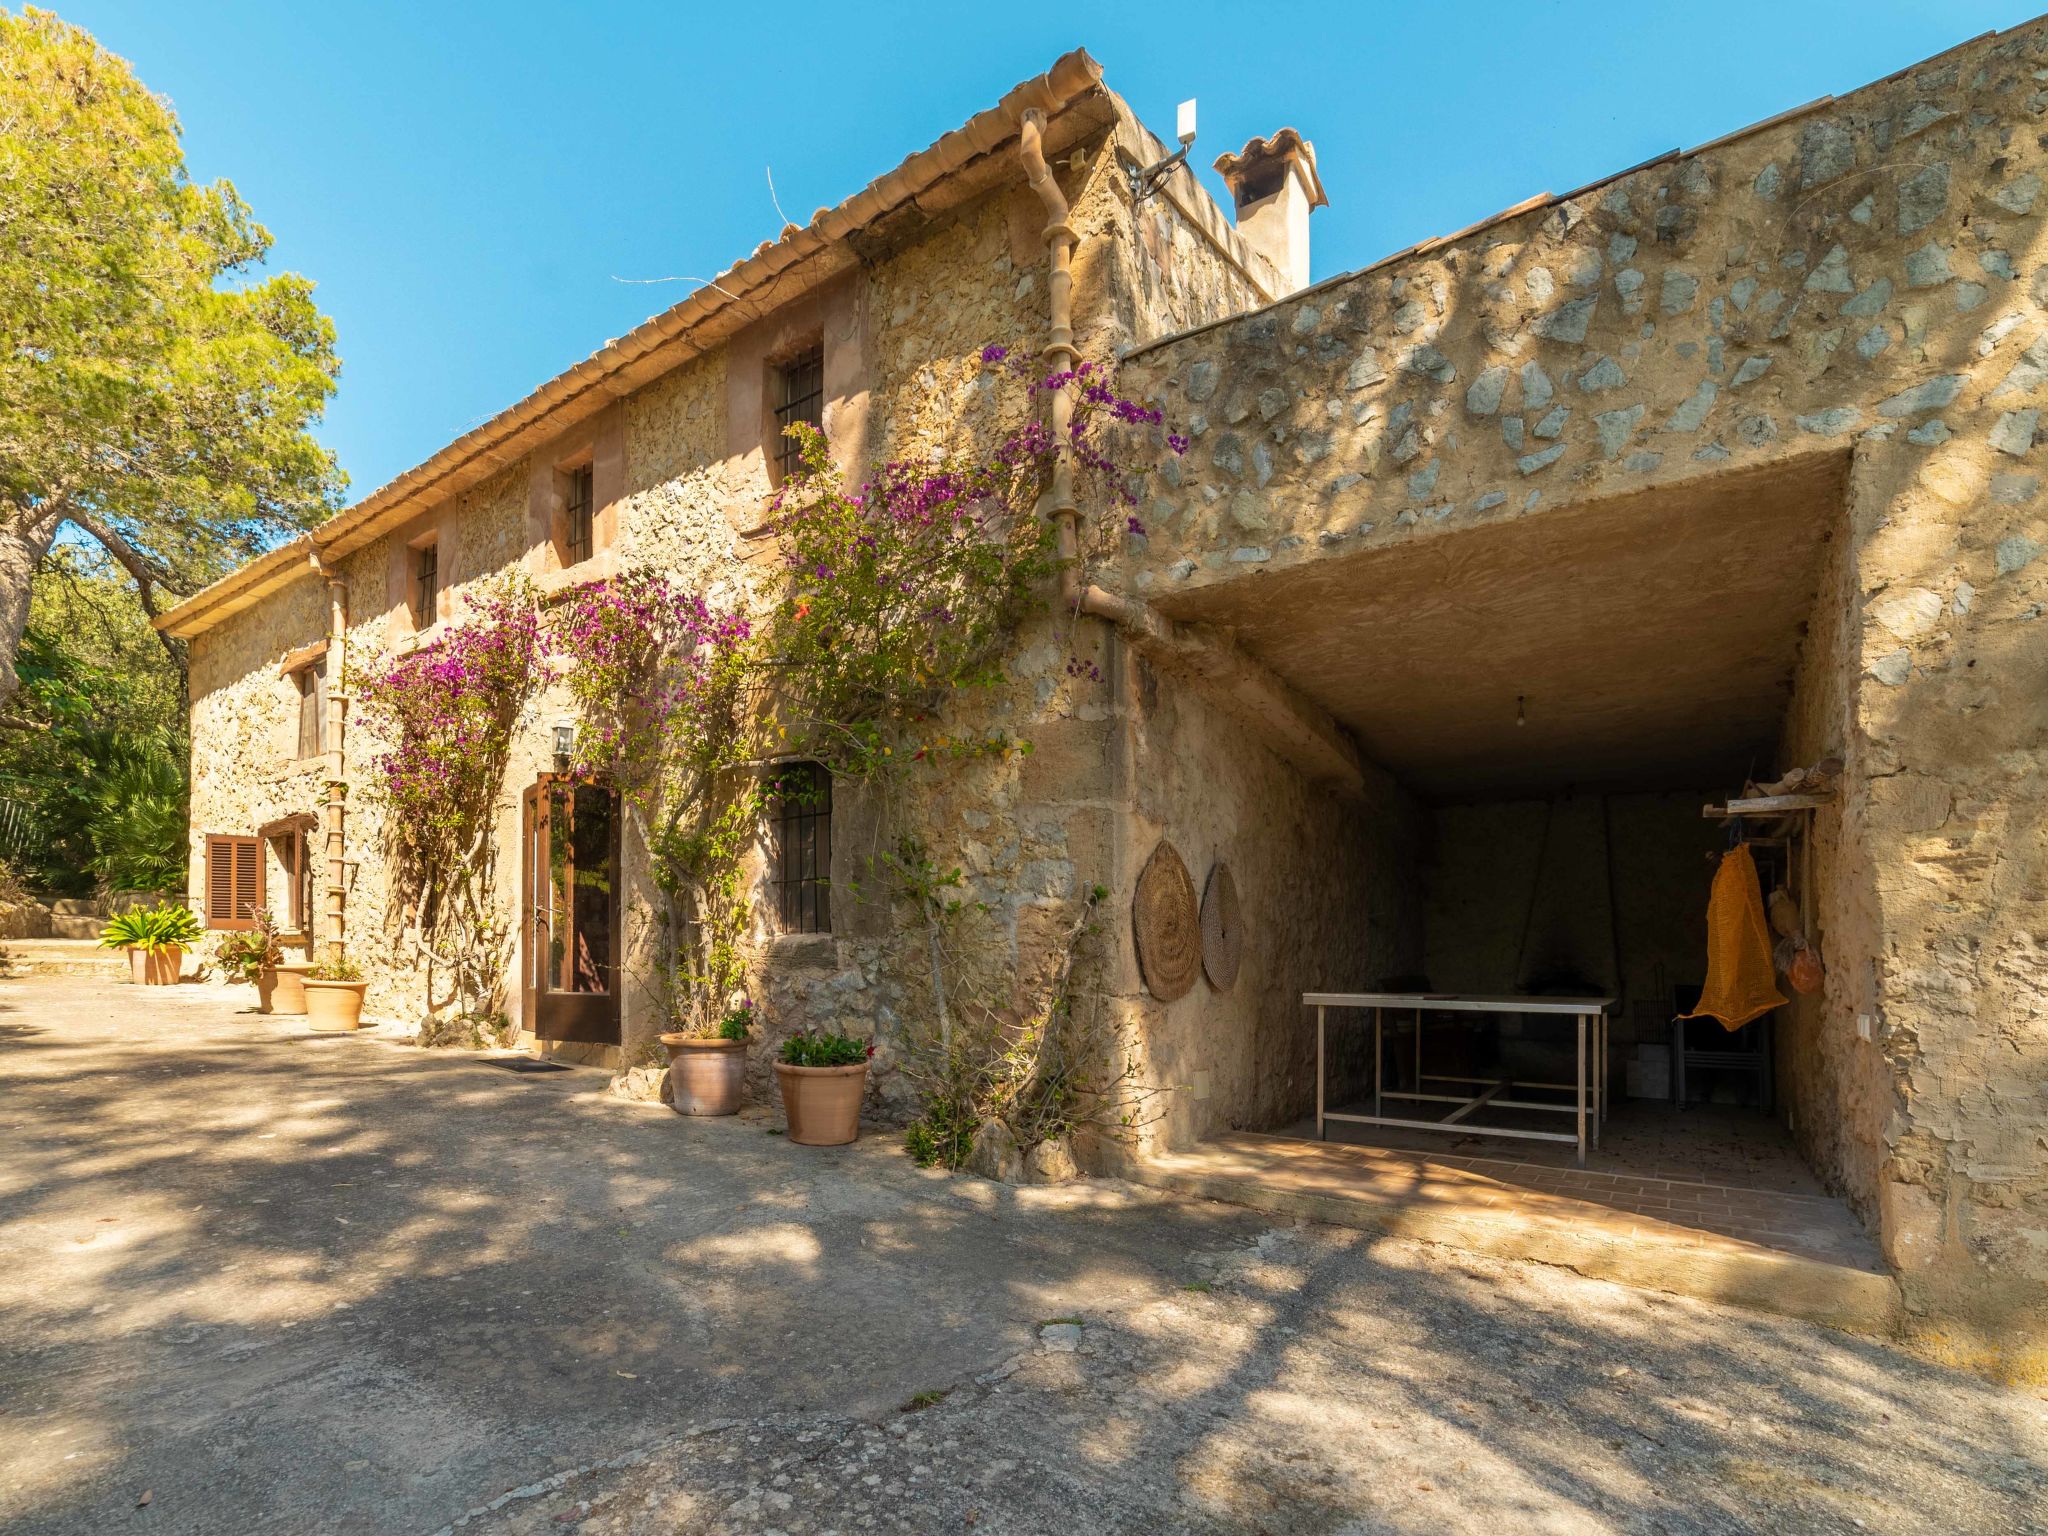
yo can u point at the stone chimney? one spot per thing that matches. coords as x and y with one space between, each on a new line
1275 186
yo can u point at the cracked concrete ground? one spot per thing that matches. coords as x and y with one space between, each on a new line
286 1283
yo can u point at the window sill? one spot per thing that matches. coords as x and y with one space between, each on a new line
558 583
419 640
295 768
802 946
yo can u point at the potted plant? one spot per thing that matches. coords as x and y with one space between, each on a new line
251 956
707 1071
334 992
155 938
288 986
822 1077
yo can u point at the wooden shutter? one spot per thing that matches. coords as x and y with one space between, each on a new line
234 881
312 681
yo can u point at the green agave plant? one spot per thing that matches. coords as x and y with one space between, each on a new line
163 926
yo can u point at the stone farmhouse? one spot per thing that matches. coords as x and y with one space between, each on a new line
1490 565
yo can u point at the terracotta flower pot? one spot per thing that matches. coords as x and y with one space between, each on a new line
334 1005
822 1103
266 988
288 992
160 967
706 1076
138 966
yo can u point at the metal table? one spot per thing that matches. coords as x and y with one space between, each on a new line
1588 1104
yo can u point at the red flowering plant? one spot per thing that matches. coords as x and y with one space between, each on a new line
656 672
911 585
444 718
660 677
898 591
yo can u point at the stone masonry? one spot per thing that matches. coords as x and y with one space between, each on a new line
1846 307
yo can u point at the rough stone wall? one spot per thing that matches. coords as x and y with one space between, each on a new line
1327 887
1837 1093
246 771
1029 832
1868 274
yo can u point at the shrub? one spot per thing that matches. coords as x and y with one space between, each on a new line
943 1136
333 965
163 926
246 954
824 1049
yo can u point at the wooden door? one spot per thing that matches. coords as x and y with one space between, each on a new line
572 887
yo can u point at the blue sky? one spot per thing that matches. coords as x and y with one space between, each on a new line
466 183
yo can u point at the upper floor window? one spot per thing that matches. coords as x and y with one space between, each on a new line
579 514
426 583
799 386
311 680
800 850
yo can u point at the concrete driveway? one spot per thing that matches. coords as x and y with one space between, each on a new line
279 1282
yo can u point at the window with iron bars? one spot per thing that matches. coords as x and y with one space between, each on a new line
426 585
579 515
799 396
800 854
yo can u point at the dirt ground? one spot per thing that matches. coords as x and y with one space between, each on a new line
285 1283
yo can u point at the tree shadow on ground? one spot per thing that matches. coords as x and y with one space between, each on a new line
353 1286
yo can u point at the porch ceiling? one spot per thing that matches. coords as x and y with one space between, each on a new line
1654 636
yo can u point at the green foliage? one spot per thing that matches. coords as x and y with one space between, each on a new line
163 926
334 965
897 594
737 1025
244 954
699 853
943 1135
103 707
823 1048
156 389
138 826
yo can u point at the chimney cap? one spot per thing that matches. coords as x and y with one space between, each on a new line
1260 168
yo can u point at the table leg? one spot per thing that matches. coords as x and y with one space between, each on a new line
1599 1075
1322 1015
1418 1050
1378 1060
1582 1090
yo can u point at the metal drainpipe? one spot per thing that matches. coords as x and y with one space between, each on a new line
336 747
1076 596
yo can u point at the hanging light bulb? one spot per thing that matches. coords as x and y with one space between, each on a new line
1521 710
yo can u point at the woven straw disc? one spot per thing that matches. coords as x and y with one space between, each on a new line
1167 928
1222 929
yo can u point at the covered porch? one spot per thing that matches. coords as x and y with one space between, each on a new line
1571 705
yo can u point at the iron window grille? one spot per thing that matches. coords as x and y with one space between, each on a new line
800 856
579 516
799 396
426 584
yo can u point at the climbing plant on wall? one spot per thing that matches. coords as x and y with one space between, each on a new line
443 719
893 597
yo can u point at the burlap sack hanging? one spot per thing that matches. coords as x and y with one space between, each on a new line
1222 933
1166 926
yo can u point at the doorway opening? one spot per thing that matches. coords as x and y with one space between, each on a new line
572 899
1560 698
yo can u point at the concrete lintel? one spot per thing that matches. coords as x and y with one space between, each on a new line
1302 732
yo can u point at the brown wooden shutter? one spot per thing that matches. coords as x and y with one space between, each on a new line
234 881
312 681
